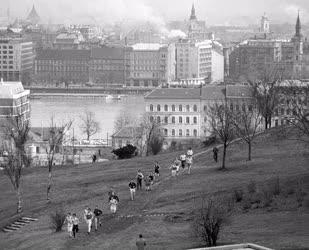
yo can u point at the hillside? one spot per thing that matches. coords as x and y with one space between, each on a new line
280 226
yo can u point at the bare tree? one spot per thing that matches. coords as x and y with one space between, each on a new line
295 97
247 122
265 90
17 132
124 119
221 124
89 125
56 136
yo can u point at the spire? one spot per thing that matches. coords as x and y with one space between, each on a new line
298 27
33 16
193 16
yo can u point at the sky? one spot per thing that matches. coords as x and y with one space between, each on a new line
214 12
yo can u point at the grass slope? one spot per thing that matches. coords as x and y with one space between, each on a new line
76 187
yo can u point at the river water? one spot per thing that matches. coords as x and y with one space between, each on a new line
71 108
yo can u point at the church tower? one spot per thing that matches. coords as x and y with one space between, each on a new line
264 28
297 41
193 16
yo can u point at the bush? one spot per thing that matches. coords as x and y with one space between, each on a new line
251 187
209 221
209 141
267 197
156 144
238 195
57 219
125 152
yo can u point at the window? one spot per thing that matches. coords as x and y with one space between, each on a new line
180 108
158 119
180 119
173 119
187 132
165 107
151 107
158 107
188 108
250 108
237 107
187 119
243 108
166 120
231 107
205 108
195 120
195 133
165 132
195 108
180 132
173 107
173 132
119 143
151 118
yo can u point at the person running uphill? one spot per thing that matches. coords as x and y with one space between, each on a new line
75 222
139 179
69 221
132 187
88 216
157 169
174 169
97 213
113 204
183 160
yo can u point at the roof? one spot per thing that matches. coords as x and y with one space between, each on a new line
38 131
209 92
33 16
9 89
129 132
107 53
64 54
148 46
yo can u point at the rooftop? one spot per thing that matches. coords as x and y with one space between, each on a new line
9 89
148 46
64 54
107 53
129 132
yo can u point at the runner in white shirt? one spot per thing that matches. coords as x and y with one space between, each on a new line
69 221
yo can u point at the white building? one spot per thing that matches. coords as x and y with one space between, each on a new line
199 60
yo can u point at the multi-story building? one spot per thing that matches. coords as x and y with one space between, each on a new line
199 60
107 65
16 60
150 64
183 112
68 41
14 101
258 55
62 66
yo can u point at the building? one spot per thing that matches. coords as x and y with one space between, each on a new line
258 55
14 101
264 25
199 60
62 66
16 60
33 18
150 64
68 41
128 135
107 65
182 112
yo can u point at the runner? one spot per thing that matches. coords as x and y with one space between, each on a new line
69 221
157 169
174 169
215 155
75 222
183 160
151 178
190 152
88 216
132 187
113 204
177 164
140 243
189 164
97 213
147 183
139 179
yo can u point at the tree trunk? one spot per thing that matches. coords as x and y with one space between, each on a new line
249 151
49 185
88 136
223 157
266 122
269 121
19 201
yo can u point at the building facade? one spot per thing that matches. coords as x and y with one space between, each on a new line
14 101
199 60
62 66
182 113
150 64
16 60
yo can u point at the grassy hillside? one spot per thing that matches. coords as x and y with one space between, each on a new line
282 225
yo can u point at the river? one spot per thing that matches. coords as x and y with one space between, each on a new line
71 108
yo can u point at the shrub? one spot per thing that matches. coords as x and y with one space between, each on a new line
156 144
173 145
251 187
209 221
209 141
125 152
267 197
238 195
57 219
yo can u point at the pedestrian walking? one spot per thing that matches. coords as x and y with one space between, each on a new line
140 243
75 222
157 169
69 221
215 153
132 187
97 214
88 216
139 178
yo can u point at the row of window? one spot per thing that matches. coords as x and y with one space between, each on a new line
180 132
165 120
167 108
6 67
5 52
6 47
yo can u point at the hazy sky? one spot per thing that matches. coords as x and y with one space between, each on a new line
213 11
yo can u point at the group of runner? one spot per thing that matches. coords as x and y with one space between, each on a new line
184 160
